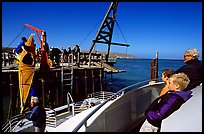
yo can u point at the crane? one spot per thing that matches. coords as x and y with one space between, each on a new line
44 47
105 32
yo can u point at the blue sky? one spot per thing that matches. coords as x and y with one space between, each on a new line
169 27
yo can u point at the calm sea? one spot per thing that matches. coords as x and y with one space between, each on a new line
137 70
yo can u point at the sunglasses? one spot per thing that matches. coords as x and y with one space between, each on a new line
187 55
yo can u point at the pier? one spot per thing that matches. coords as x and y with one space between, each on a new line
77 79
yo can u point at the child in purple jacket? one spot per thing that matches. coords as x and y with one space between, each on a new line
165 105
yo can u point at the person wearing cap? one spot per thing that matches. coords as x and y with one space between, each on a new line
37 115
20 47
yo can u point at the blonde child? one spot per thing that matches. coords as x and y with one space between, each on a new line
165 105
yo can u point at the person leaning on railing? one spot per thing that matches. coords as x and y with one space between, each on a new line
165 105
193 68
37 115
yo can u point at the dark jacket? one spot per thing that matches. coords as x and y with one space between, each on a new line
37 115
165 105
193 69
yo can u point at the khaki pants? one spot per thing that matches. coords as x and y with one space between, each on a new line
40 129
147 127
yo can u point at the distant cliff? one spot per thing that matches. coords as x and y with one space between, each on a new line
115 54
112 54
121 55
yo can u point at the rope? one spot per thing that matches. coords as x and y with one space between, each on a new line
90 31
15 38
125 41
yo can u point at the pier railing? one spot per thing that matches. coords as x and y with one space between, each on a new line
85 58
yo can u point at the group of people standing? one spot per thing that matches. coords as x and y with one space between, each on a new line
55 54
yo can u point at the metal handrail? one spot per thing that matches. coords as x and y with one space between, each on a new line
76 107
84 121
11 123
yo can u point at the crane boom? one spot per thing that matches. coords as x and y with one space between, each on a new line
44 46
105 32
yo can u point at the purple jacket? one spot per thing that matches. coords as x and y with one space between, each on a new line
165 105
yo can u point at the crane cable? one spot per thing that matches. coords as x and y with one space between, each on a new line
91 31
120 31
15 38
122 35
125 42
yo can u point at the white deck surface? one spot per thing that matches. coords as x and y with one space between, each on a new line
188 118
70 124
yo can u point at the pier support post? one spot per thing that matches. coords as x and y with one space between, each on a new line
154 69
89 60
85 77
100 76
11 97
92 73
43 92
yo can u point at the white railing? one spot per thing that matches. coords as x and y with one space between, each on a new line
58 115
122 91
11 123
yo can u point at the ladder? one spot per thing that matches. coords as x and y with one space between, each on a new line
67 79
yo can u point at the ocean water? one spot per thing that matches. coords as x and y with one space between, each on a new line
137 70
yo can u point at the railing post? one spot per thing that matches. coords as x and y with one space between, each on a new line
10 125
55 119
89 60
85 124
101 59
73 110
68 103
